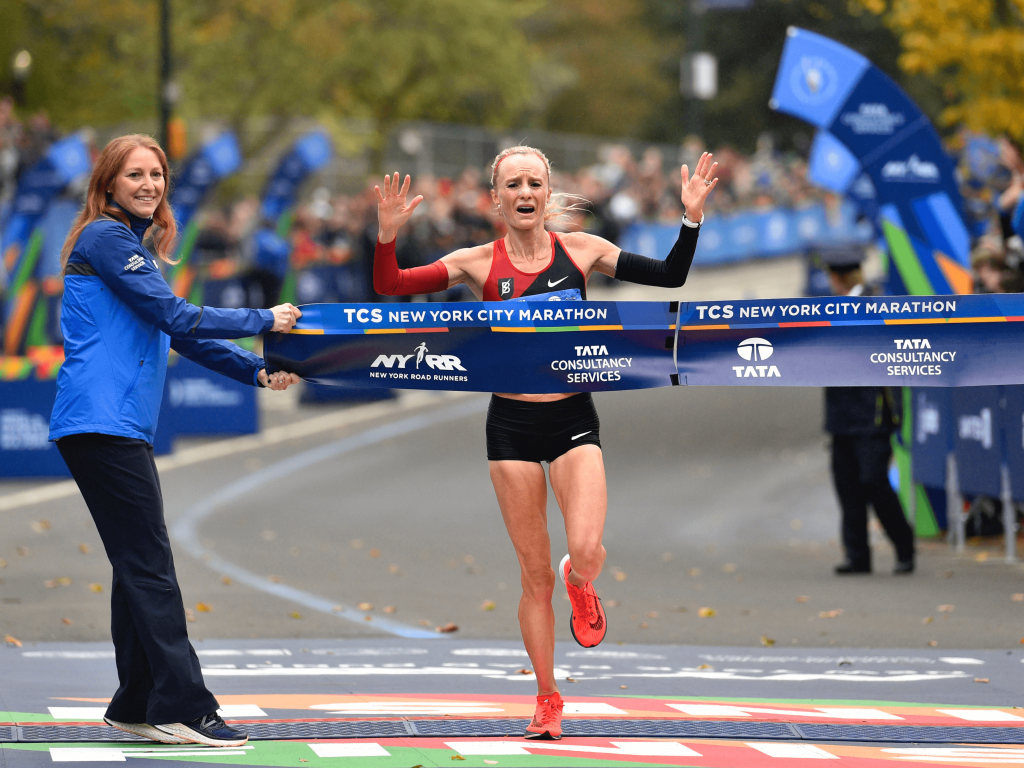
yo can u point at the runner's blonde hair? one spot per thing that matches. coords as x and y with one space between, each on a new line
562 203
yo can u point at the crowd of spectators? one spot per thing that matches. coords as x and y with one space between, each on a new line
22 145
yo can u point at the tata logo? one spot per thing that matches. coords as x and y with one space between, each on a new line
814 80
436 362
755 349
912 169
977 428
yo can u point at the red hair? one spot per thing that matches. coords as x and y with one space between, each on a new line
99 204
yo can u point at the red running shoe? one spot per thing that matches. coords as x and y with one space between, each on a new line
587 623
547 720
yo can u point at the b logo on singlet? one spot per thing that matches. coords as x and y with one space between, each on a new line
506 287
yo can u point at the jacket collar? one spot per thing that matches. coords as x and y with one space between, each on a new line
137 224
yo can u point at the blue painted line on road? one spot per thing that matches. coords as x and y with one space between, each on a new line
185 530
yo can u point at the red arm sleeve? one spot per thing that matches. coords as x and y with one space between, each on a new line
389 280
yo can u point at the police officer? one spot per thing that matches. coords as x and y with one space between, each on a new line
861 421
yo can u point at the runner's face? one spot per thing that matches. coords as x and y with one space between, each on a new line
139 186
521 191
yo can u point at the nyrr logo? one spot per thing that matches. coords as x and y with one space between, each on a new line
437 362
756 350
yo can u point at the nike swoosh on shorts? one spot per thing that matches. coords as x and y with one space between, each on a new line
552 285
581 434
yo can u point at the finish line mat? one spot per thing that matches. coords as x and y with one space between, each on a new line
405 703
553 347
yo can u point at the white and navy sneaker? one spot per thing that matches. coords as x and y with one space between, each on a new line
209 729
146 731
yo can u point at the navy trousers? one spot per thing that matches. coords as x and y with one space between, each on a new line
860 472
157 668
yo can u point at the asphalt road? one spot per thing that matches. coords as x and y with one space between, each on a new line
718 498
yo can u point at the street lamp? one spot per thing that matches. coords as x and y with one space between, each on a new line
21 68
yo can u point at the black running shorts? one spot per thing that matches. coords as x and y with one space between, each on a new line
518 430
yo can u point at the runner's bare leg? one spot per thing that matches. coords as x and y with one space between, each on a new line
578 480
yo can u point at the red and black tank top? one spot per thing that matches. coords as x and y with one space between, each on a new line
505 281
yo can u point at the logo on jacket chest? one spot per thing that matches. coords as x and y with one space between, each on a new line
506 287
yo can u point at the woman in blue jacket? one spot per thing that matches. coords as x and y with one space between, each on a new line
119 319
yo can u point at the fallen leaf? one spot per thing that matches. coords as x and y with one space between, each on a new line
458 757
981 557
303 760
729 568
203 608
40 526
927 620
426 622
226 580
295 615
623 687
189 616
357 544
620 576
366 606
274 579
802 598
394 569
1018 597
22 551
981 679
946 608
644 625
933 643
652 614
374 553
12 640
570 680
695 572
766 641
67 621
50 583
367 618
706 613
830 614
449 627
96 587
610 603
389 609
705 666
524 671
84 549
488 605
3 563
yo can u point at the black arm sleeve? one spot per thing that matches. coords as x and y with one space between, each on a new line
670 273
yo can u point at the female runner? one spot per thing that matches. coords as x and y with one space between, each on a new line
561 429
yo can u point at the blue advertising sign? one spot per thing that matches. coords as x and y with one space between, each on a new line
977 441
1013 437
200 173
735 237
831 165
330 284
198 401
309 154
25 450
63 162
933 435
887 136
944 341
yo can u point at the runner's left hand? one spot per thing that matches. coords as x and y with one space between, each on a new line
278 381
697 188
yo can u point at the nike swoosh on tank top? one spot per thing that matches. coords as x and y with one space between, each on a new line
505 281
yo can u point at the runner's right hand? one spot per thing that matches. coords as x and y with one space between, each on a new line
392 209
285 316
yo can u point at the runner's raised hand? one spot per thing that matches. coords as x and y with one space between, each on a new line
697 188
392 209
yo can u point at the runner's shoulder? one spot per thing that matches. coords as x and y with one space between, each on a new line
585 243
473 254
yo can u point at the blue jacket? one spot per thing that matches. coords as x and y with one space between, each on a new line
119 318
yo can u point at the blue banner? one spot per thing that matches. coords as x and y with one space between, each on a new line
933 435
977 439
25 450
545 347
889 140
200 173
198 401
740 236
1013 437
